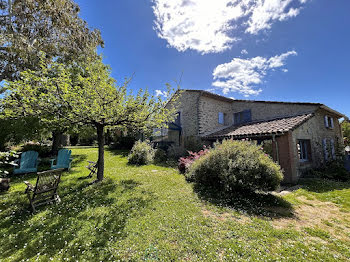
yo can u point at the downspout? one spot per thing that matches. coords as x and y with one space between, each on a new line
276 145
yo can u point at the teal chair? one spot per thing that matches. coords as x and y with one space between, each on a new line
63 159
28 163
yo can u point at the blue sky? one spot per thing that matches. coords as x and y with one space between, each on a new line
283 50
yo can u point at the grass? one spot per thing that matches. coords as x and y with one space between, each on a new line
150 213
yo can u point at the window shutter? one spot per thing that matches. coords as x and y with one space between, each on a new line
247 116
326 121
309 155
325 149
221 118
332 123
332 148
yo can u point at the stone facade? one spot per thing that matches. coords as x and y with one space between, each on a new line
200 116
209 109
315 130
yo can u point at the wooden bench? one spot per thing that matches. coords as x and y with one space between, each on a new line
45 189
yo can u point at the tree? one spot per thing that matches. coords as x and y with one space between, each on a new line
19 129
87 94
345 125
28 27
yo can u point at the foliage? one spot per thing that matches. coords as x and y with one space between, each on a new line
186 162
84 135
7 159
42 149
193 144
122 139
141 153
345 125
21 129
333 170
235 166
175 152
160 156
86 94
28 27
141 212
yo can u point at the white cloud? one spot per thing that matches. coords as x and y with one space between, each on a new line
209 26
161 93
244 75
244 52
265 12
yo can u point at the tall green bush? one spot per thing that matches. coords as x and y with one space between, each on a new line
141 153
236 166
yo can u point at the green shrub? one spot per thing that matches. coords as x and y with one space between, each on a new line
333 170
43 150
175 152
141 153
160 156
236 166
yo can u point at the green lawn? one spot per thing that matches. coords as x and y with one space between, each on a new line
151 213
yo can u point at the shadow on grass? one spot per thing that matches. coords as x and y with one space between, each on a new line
251 203
319 185
118 152
88 219
77 159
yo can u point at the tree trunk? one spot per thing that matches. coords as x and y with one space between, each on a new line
56 141
101 143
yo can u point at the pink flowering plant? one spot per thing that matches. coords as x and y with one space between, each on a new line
186 162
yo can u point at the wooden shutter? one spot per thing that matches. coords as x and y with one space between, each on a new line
308 146
221 118
247 116
332 148
325 149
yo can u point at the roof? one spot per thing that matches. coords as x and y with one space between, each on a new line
262 128
223 98
207 93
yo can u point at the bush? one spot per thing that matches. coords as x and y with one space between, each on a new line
160 156
123 142
141 153
6 161
43 150
186 162
333 170
175 152
236 166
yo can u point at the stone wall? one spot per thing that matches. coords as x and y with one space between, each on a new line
209 109
266 110
314 129
187 106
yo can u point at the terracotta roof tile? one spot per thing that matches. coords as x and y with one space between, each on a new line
274 126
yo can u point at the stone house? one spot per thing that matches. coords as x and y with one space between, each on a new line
299 136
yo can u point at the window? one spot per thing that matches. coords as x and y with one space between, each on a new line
328 121
304 150
221 118
242 117
328 149
178 119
